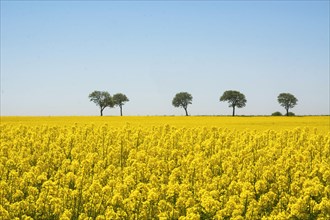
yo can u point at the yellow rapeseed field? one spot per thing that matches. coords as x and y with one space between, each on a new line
165 167
321 123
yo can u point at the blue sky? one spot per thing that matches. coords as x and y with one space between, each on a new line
54 53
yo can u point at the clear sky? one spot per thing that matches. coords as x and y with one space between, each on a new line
54 53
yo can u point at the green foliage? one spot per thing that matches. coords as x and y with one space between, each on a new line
234 98
182 99
277 114
287 101
291 114
119 99
102 99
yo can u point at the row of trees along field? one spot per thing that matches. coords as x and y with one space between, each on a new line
235 99
103 99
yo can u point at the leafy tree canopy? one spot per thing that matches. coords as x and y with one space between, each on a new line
182 99
234 98
287 101
119 99
102 99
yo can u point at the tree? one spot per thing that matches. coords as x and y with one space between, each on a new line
234 98
119 99
287 101
182 99
277 114
102 99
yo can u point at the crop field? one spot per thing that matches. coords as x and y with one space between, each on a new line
165 167
321 123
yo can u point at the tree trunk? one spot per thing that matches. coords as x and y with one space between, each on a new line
121 110
186 111
233 110
102 111
287 111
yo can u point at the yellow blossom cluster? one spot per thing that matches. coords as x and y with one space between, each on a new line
163 172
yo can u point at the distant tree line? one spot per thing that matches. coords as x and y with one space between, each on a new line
103 99
235 99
